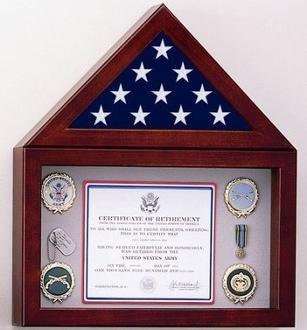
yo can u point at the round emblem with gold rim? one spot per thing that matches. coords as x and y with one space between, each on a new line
58 192
57 281
241 196
239 283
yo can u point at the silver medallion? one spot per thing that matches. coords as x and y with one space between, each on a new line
57 281
239 283
58 192
241 196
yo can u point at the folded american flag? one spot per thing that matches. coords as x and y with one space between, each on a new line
161 89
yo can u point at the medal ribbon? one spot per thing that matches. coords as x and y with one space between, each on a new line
241 236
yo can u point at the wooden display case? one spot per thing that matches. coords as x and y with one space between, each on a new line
186 154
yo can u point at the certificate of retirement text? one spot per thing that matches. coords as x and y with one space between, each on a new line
147 241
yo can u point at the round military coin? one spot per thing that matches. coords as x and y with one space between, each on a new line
241 196
57 281
239 283
58 192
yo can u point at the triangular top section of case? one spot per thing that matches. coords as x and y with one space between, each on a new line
157 88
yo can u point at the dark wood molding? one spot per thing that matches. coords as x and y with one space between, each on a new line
18 235
282 310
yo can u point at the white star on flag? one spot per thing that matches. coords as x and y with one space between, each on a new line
141 73
182 73
120 94
180 116
219 116
140 116
162 49
161 94
202 94
100 116
161 89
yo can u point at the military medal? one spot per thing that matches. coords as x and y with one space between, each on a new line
241 196
239 283
58 192
57 281
241 240
57 278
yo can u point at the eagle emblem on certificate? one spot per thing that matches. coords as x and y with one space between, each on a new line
150 203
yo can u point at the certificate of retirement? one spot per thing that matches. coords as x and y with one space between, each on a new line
148 241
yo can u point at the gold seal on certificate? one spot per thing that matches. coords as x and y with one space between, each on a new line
58 192
57 281
241 196
239 283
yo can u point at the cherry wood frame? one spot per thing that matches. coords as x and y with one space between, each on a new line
52 142
27 229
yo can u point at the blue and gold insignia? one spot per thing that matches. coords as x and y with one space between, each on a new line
57 281
58 192
241 196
